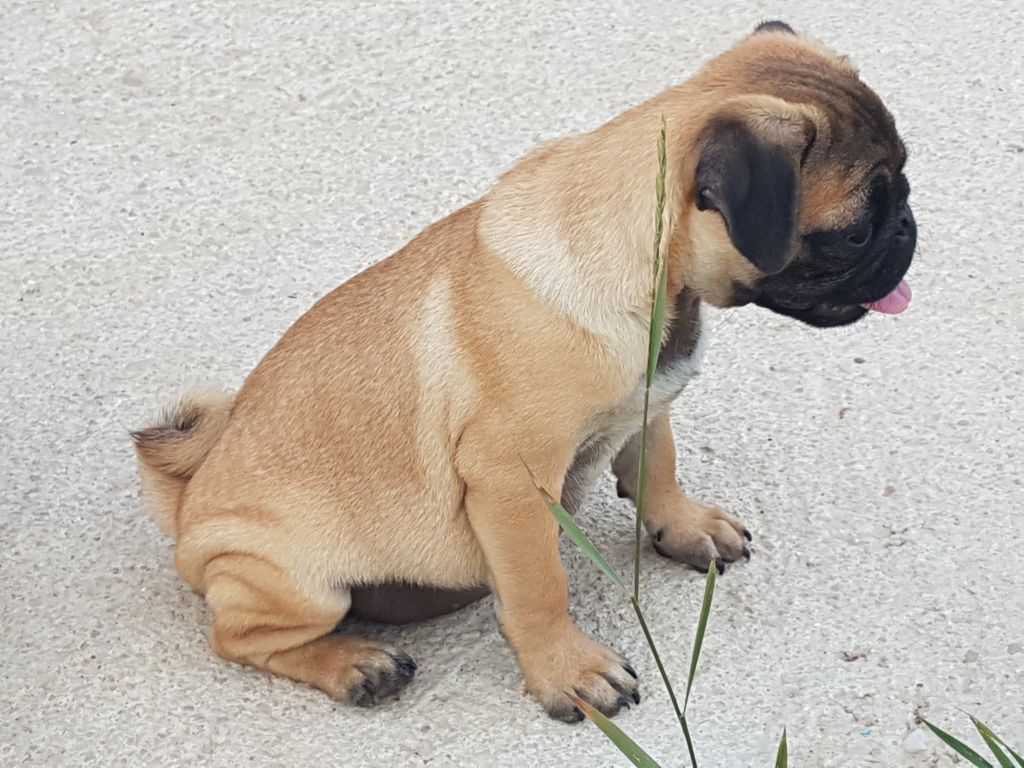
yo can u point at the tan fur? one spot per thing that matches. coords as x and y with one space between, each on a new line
680 526
382 440
170 452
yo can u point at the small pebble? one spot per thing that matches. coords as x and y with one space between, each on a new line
970 656
859 360
916 741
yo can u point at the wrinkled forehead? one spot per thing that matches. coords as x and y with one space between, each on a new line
856 142
858 121
857 150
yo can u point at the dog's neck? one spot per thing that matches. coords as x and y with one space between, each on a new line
576 221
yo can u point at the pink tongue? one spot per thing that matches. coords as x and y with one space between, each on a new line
894 303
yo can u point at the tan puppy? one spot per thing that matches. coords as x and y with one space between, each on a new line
381 442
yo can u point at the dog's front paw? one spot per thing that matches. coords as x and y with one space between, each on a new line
572 665
701 535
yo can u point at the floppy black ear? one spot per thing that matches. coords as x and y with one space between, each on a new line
753 185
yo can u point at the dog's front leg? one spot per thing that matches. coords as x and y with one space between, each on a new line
682 528
519 539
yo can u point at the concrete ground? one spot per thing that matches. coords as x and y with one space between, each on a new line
180 181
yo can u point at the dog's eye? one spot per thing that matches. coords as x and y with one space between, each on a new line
861 234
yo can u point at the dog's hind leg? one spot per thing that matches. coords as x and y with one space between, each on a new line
263 617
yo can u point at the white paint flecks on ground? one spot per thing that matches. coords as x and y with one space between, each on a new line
180 181
918 740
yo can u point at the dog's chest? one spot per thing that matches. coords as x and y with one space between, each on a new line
609 430
679 362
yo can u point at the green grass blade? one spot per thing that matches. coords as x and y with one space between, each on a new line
993 743
782 757
959 747
664 677
660 284
574 531
617 736
1014 755
569 526
657 321
641 483
702 625
654 337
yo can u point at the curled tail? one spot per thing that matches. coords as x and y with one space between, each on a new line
171 451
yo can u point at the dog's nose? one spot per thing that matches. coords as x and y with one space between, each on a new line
906 227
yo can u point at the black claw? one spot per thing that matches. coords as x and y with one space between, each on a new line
405 665
622 703
620 688
620 490
577 715
746 553
720 565
636 696
746 533
629 668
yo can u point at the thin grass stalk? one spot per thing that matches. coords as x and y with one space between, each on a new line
664 676
658 298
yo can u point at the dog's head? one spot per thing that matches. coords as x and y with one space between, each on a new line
798 200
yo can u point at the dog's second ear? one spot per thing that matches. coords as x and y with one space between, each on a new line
774 26
752 183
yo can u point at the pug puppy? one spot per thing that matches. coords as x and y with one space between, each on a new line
380 455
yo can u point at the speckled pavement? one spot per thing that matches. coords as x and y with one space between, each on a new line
179 181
